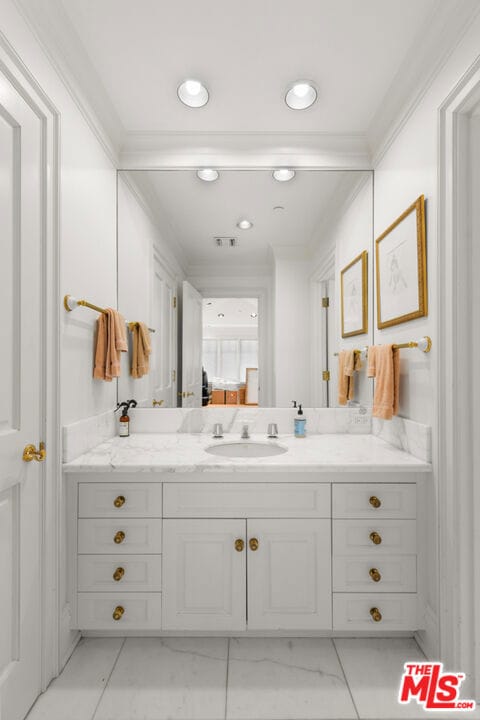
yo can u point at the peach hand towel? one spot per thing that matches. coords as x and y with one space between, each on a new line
346 368
111 341
100 348
141 349
384 366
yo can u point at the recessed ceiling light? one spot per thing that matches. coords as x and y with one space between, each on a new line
209 303
221 315
300 95
207 174
192 93
244 224
278 208
283 174
253 315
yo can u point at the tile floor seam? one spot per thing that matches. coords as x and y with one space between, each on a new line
346 679
108 679
226 678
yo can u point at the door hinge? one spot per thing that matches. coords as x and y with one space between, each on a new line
326 375
174 302
325 302
174 375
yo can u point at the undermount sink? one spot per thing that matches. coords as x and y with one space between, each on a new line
246 449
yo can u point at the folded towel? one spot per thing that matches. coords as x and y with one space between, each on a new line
141 349
348 363
110 342
384 366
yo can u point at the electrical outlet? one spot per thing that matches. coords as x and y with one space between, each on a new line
358 419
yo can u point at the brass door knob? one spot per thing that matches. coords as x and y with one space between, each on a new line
189 394
157 403
119 537
375 574
30 453
118 612
239 545
376 614
375 502
375 538
118 574
253 543
119 501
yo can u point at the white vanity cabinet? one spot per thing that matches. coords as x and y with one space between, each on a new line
237 554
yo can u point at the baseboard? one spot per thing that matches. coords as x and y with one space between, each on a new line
68 638
428 639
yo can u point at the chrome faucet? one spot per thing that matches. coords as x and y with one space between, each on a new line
218 430
245 434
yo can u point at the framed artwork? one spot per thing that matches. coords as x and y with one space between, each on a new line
401 268
354 296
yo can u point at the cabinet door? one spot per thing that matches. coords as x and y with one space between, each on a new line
289 576
204 575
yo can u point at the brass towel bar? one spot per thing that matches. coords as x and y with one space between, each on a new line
424 344
70 303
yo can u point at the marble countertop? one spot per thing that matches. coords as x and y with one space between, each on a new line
185 453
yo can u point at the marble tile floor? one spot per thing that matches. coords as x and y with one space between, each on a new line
232 679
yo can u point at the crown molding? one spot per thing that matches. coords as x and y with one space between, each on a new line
50 25
433 44
252 150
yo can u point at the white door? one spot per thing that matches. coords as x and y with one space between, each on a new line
289 583
21 222
204 575
191 347
163 372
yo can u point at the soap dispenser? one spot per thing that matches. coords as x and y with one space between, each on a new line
124 423
300 423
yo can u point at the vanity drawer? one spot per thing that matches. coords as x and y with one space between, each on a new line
357 537
246 500
374 500
393 573
119 500
141 611
112 573
134 536
352 612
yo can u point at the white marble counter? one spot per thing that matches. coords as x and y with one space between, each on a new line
185 453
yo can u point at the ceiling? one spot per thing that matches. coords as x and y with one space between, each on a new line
198 211
246 52
237 312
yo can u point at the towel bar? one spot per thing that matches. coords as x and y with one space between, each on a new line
70 303
424 344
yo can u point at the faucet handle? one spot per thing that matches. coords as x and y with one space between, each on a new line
218 430
245 433
272 430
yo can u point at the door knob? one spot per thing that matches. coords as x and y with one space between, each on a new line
118 574
157 403
253 542
375 502
376 614
189 394
375 574
239 545
119 537
375 538
118 612
30 453
119 501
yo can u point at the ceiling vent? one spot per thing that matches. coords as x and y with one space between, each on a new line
226 242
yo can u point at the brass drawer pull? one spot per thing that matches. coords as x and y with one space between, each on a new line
253 542
375 538
239 545
376 614
118 612
375 574
375 502
119 537
119 501
119 573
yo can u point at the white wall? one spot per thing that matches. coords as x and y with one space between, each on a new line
292 347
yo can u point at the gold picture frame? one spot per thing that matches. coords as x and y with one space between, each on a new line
354 315
401 268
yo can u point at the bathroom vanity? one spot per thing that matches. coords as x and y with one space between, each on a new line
166 538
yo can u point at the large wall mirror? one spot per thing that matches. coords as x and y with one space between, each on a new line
229 273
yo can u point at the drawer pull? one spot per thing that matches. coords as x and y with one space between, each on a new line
375 502
239 545
120 572
119 537
375 575
375 538
118 612
376 614
119 501
253 542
